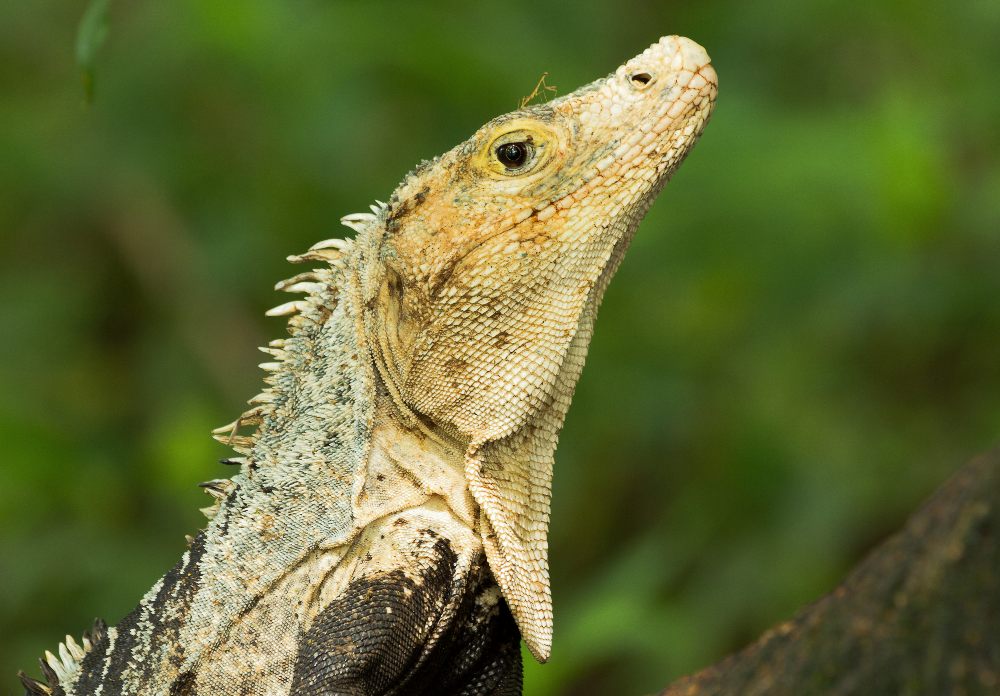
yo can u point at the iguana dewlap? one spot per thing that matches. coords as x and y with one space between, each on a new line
386 532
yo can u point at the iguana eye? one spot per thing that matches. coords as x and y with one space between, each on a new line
518 150
513 155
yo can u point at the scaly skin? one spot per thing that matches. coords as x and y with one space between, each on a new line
387 530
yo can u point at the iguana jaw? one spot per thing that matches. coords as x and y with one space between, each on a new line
491 277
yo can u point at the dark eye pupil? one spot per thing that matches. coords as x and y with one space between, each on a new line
512 155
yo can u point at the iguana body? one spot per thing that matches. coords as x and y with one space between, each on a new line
386 532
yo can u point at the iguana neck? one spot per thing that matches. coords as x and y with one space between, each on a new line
332 405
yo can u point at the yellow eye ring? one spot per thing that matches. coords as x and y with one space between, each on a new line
519 148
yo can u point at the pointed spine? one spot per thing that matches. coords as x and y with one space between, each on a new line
341 245
287 308
330 256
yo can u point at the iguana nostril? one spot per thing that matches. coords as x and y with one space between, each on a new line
641 80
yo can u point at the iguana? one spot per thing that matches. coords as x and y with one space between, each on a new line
386 532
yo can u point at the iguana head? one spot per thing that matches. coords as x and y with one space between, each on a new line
492 260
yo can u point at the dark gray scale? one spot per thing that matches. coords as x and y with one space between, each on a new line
396 635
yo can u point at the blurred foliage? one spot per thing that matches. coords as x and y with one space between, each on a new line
91 36
802 342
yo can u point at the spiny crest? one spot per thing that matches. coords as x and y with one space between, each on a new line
320 288
63 669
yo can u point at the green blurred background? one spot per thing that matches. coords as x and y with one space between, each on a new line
801 344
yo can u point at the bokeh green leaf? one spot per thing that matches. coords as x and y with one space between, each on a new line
90 37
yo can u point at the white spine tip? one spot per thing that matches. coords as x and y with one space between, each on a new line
305 286
265 397
286 309
65 656
358 217
225 429
55 664
338 244
74 648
